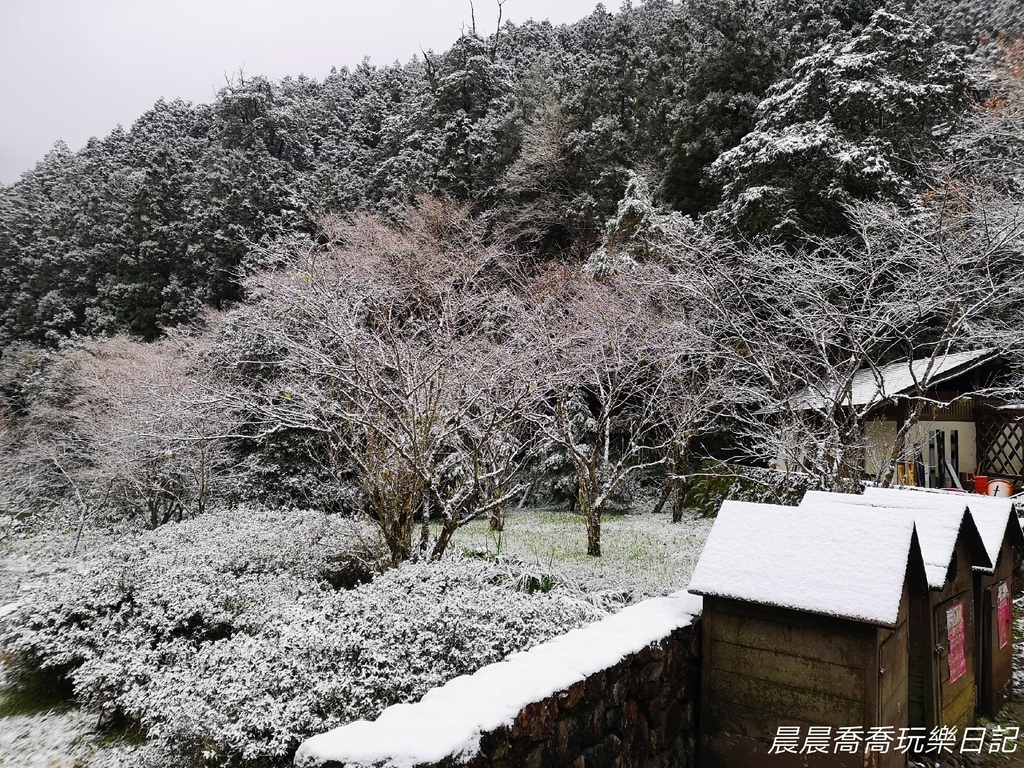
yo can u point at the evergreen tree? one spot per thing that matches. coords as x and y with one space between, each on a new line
727 58
853 123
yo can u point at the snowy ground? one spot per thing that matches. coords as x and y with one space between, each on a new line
43 741
60 737
644 555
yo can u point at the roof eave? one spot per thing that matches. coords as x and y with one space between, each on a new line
874 622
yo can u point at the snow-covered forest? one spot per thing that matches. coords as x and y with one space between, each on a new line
263 360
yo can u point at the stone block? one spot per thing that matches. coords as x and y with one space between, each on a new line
654 710
598 725
605 754
616 693
536 721
675 720
538 758
594 687
572 696
655 671
612 719
568 741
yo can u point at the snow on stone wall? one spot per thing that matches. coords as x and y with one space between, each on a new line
623 692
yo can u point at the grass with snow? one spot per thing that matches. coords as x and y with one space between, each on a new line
642 554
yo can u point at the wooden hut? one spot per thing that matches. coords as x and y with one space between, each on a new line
993 595
806 625
957 431
943 660
993 587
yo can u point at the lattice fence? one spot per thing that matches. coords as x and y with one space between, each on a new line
1001 442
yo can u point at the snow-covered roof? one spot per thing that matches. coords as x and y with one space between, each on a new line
939 525
875 385
449 721
991 514
849 563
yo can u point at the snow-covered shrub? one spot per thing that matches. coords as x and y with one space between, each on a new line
223 639
719 482
329 659
155 594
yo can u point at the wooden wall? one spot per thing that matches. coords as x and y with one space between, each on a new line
768 667
934 699
995 664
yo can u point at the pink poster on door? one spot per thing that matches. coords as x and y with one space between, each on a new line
955 631
1004 613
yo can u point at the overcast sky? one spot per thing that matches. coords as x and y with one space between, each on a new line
71 69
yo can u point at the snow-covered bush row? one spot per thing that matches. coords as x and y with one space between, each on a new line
229 646
718 482
185 584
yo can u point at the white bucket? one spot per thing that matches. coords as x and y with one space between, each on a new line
1002 488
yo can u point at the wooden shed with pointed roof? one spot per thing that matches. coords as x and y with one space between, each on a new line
806 625
943 647
1000 530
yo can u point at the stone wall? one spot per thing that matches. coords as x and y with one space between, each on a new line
623 692
640 713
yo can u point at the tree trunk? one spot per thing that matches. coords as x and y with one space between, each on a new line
678 497
447 531
666 491
496 521
901 449
594 533
425 529
526 495
676 485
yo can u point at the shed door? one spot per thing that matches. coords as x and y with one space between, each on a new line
954 667
996 651
893 690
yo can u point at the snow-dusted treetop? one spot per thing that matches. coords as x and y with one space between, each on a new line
939 526
449 721
831 559
991 515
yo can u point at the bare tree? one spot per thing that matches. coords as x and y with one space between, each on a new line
115 426
989 150
23 486
393 346
597 363
801 328
696 399
156 445
538 186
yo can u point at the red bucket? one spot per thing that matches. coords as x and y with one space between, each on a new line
981 484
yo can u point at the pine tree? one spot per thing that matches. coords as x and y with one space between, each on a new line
852 123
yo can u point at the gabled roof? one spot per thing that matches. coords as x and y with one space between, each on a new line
995 517
939 527
874 385
851 564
